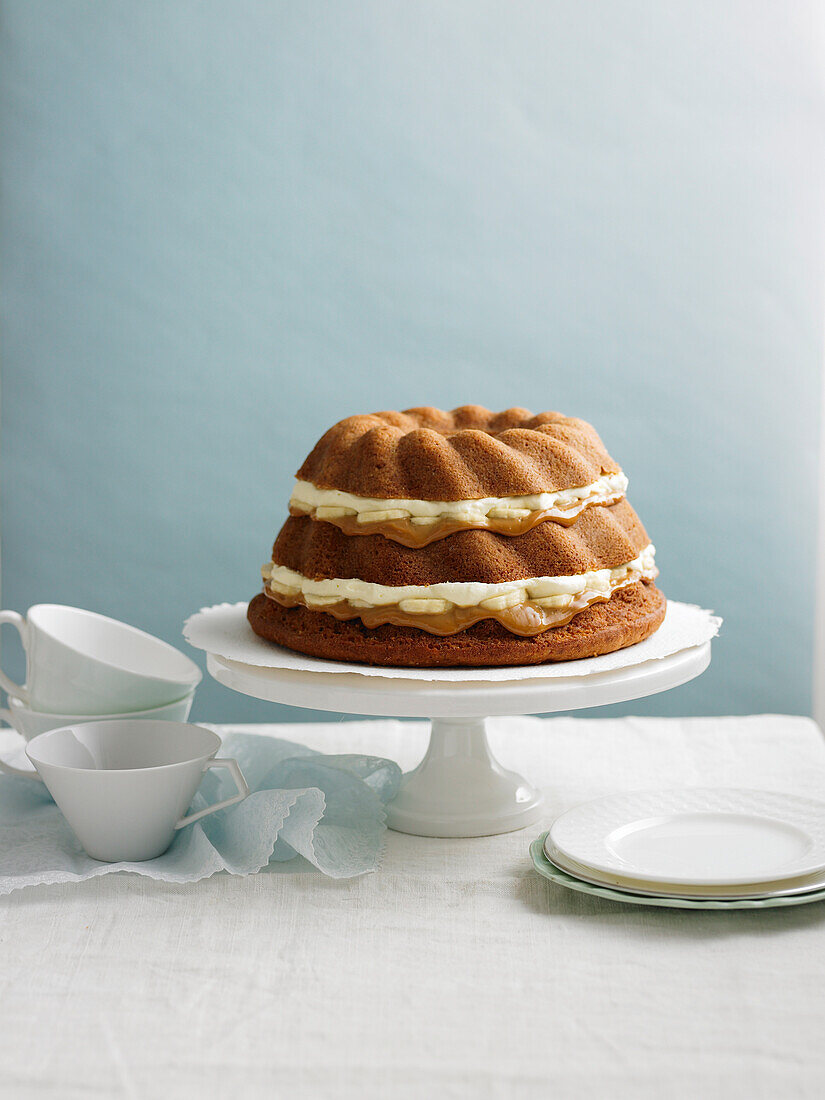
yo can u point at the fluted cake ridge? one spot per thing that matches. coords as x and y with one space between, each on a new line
469 452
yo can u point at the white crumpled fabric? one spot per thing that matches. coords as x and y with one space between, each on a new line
327 809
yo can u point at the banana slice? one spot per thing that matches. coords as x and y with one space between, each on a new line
500 603
554 601
330 511
383 515
421 606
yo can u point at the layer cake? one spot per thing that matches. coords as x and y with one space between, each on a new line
430 538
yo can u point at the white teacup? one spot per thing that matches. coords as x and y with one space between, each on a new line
30 723
124 786
78 662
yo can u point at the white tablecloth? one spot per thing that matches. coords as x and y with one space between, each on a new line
453 972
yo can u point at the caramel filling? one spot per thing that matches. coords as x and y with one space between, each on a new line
416 535
518 610
526 619
416 523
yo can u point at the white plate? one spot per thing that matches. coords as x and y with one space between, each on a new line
696 837
784 888
549 871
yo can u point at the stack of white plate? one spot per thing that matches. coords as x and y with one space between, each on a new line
693 848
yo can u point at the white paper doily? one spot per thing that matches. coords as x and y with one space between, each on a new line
224 631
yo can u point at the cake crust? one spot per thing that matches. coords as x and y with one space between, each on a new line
629 616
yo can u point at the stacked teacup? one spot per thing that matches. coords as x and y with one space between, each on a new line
83 667
103 712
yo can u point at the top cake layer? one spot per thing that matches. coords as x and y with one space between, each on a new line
470 453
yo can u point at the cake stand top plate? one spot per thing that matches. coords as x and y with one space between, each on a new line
407 698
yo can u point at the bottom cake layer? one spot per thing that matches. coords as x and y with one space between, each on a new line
629 616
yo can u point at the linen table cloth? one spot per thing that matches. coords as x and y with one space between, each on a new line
454 971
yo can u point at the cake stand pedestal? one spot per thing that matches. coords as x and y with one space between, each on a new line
459 789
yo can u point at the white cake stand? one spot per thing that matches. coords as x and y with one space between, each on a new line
459 789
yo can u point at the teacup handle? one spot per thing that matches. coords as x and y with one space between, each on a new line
243 790
16 620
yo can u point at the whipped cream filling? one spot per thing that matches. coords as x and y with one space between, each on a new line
335 504
431 599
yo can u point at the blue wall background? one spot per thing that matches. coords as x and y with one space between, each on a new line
224 226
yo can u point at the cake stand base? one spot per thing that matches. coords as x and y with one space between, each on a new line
460 789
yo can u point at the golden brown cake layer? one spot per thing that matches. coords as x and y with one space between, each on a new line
601 538
631 615
429 454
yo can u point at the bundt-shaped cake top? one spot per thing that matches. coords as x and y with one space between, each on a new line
468 453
